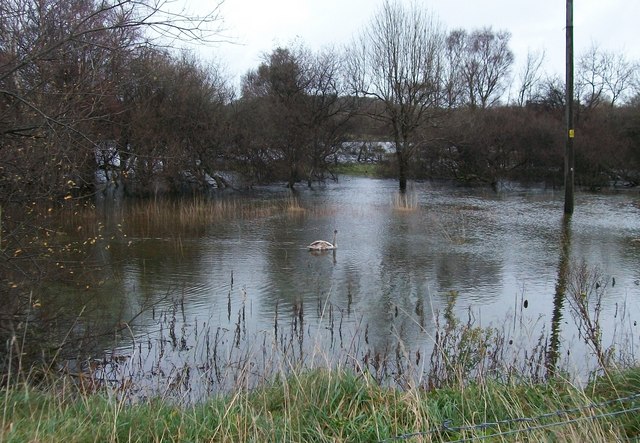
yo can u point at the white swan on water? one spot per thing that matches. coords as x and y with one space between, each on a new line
321 245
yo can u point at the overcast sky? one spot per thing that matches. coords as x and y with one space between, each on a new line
258 26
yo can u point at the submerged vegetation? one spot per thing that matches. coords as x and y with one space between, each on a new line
64 256
105 130
282 385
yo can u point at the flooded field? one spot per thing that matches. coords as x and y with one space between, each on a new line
241 298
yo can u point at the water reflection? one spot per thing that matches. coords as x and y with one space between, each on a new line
560 295
399 257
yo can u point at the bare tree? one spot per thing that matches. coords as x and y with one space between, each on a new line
452 79
590 85
604 77
397 59
330 111
277 88
552 94
63 67
530 78
295 98
620 78
486 63
60 66
171 132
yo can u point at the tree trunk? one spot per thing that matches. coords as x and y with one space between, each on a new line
292 178
402 169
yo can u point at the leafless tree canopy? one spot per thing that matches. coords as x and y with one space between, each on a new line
484 62
64 69
530 78
97 101
298 109
604 77
398 61
97 84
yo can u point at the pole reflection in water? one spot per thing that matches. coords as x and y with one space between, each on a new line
560 295
250 301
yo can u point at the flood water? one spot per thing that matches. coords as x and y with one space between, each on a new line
218 304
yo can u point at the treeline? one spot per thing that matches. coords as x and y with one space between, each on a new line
88 98
92 98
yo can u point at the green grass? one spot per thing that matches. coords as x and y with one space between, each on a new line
334 406
360 169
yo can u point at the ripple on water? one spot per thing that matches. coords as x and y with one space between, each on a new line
492 249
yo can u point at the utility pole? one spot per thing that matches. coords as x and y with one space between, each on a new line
569 157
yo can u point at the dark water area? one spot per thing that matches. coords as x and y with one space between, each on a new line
243 298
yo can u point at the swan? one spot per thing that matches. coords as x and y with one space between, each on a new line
321 245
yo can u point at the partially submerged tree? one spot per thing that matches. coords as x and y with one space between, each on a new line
299 116
171 133
64 65
61 67
397 59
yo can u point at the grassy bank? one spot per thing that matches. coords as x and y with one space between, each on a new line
334 406
374 170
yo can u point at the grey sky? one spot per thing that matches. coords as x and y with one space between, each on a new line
260 25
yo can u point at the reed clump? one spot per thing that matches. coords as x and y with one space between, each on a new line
194 213
453 227
292 205
406 201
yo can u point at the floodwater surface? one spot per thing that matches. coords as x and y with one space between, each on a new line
217 304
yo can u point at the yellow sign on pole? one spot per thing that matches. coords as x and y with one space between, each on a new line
572 133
